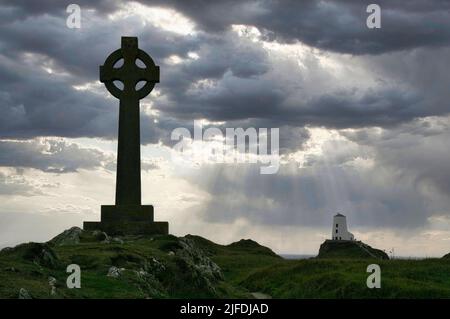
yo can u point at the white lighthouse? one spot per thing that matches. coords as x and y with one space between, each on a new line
339 230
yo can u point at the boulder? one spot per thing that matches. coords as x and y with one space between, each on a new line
24 294
101 236
117 240
52 284
70 236
115 272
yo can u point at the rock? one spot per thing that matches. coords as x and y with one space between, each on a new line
171 253
70 236
141 273
203 271
196 257
349 249
38 253
154 266
52 283
115 272
149 285
48 258
24 294
260 295
117 240
101 236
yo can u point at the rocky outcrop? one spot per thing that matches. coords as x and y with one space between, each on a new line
70 236
147 267
196 258
201 269
349 249
39 253
115 272
76 235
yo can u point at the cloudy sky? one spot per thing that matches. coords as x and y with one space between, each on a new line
363 116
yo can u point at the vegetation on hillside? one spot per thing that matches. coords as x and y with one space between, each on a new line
194 267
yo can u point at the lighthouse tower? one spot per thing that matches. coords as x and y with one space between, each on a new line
339 230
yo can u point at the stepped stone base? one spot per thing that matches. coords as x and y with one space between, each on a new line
128 220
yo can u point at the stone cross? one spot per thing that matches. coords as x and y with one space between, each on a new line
128 216
128 182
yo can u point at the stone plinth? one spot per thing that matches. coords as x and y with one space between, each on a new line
128 220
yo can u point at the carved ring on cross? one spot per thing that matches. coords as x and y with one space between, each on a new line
129 73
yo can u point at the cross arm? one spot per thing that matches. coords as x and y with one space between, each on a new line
149 74
109 74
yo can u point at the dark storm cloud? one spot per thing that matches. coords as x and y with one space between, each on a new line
309 196
37 103
233 79
22 9
418 150
338 26
239 83
260 99
50 156
351 108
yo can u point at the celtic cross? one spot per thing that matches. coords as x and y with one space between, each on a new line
128 180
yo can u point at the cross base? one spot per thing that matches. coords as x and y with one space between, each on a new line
128 220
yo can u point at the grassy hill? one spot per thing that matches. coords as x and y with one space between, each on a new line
194 267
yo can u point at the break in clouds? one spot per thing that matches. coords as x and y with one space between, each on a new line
363 113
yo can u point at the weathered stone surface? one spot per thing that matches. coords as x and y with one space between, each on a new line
101 236
130 227
40 254
150 285
154 266
115 272
126 213
203 270
117 240
70 236
52 283
24 294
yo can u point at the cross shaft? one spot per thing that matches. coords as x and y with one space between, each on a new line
128 180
